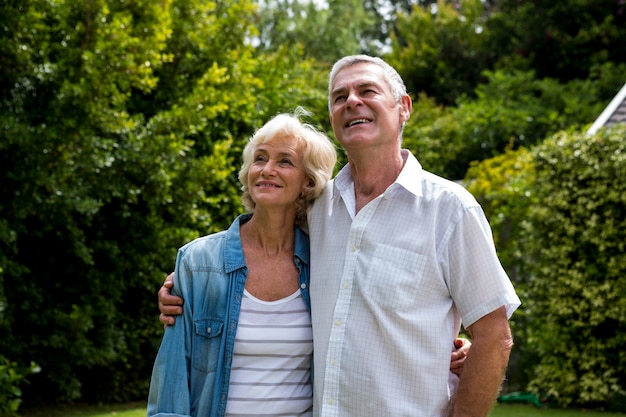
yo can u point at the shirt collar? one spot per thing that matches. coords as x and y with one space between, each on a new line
409 177
411 174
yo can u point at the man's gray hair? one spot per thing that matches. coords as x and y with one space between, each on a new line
392 78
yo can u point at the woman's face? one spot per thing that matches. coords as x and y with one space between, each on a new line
277 176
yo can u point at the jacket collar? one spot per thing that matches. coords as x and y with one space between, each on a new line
233 251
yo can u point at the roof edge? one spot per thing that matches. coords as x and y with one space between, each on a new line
608 111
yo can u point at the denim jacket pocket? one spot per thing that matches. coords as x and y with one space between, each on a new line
206 344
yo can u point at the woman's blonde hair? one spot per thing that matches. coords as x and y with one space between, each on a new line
319 156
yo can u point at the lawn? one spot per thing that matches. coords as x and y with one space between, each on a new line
139 410
525 410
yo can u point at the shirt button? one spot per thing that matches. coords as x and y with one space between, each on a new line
303 286
330 401
208 330
353 248
338 323
346 285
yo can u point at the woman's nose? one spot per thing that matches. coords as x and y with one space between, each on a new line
268 168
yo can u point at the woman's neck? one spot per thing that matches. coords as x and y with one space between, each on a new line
269 234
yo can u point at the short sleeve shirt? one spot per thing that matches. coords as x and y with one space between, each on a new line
390 288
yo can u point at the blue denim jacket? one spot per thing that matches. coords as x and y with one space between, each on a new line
192 368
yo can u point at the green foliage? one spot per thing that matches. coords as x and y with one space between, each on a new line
462 55
122 124
71 195
426 133
504 186
557 39
511 109
558 218
11 377
574 241
441 53
516 109
122 128
290 80
312 26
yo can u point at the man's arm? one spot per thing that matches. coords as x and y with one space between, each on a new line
485 367
169 305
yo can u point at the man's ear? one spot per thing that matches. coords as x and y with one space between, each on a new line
406 107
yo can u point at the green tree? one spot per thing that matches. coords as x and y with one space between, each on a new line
429 127
504 186
517 109
509 110
562 40
122 127
315 28
63 116
557 216
443 48
441 51
573 239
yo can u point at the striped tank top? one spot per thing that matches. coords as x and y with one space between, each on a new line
271 372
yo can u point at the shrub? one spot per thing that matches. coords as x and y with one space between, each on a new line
11 377
576 264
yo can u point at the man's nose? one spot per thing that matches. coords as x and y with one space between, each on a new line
353 99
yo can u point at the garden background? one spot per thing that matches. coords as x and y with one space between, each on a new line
122 123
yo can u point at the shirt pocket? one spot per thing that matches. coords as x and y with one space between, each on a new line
206 344
393 277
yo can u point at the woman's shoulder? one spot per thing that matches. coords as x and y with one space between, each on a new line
201 244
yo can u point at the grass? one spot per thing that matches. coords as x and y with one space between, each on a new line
527 410
139 410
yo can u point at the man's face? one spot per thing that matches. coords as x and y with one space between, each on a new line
364 111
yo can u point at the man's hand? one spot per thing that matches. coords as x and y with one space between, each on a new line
458 356
169 305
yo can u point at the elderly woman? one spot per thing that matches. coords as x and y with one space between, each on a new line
243 345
